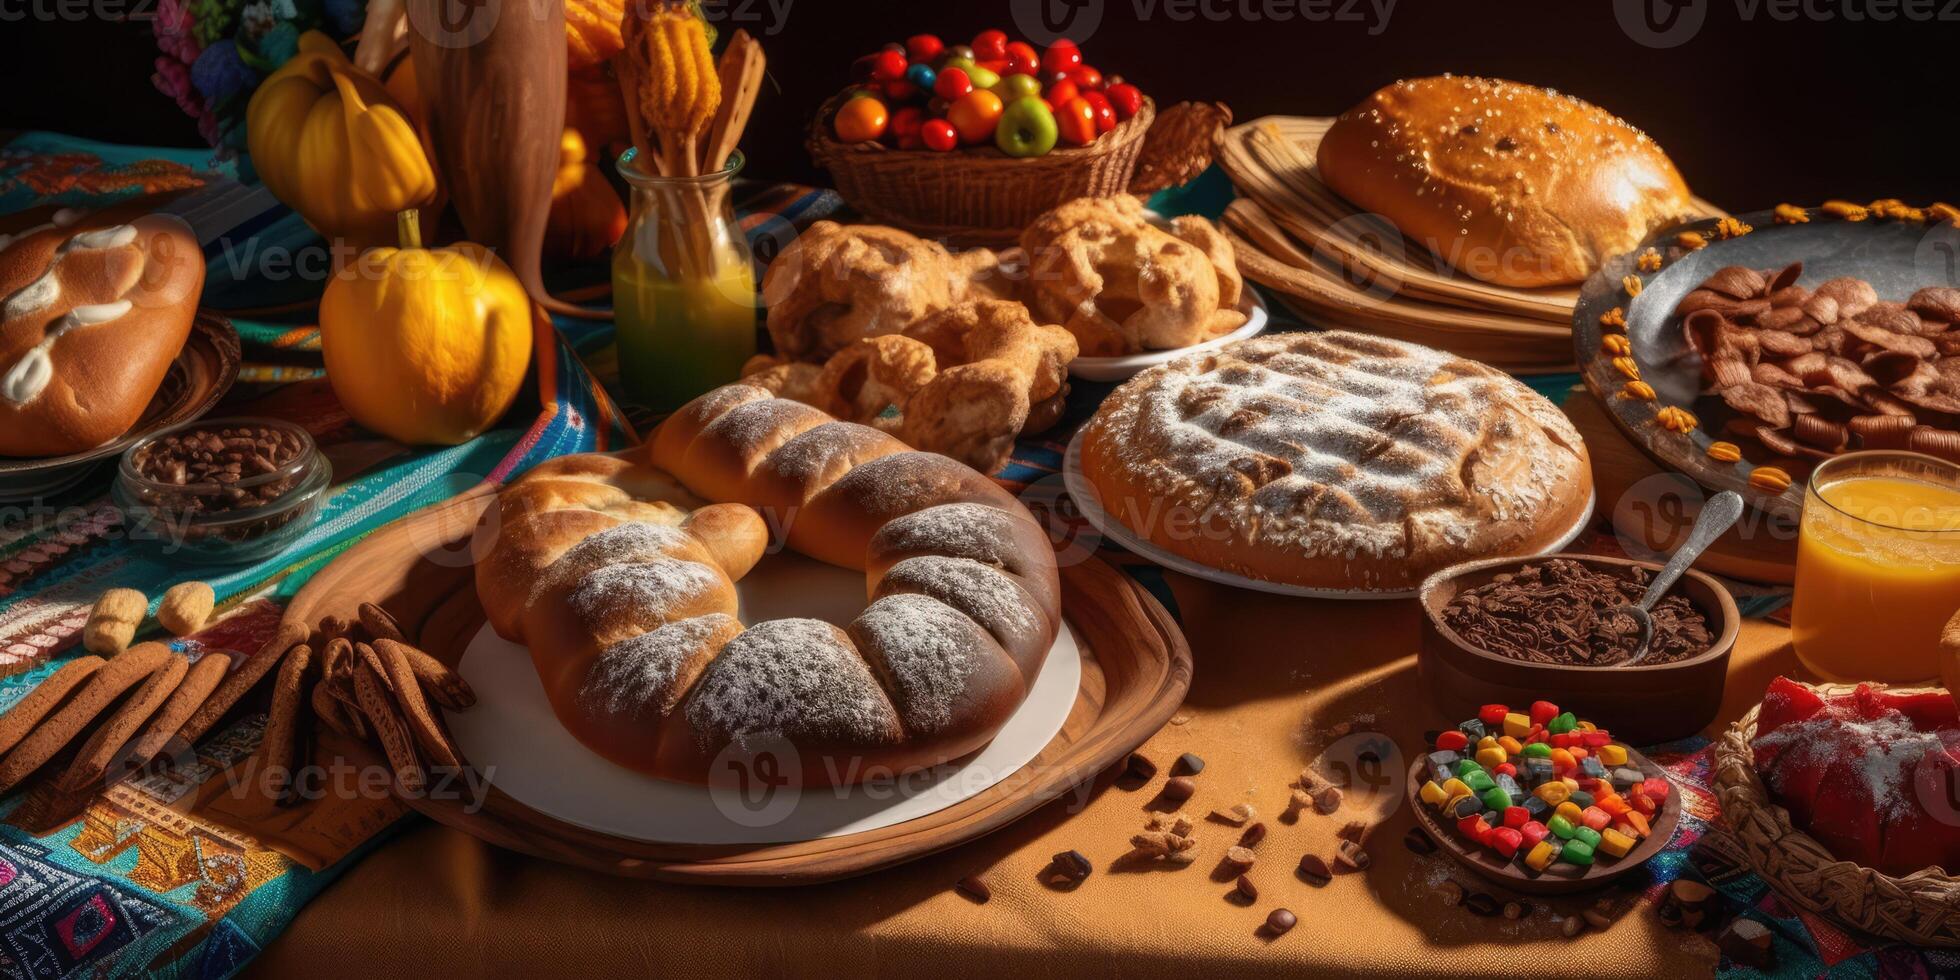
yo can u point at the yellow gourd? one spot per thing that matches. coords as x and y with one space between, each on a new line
330 142
426 345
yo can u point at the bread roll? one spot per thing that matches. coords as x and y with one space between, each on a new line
92 312
1508 183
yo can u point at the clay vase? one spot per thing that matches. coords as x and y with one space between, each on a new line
492 78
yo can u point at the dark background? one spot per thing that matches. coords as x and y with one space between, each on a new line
1767 102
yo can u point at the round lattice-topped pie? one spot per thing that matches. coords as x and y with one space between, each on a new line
1336 461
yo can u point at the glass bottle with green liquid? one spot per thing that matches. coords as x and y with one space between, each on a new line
684 291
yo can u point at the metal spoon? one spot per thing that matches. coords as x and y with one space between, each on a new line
1717 516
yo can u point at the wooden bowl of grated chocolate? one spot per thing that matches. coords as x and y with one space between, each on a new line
1511 631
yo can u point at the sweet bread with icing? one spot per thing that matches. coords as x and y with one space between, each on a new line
92 312
618 572
1336 461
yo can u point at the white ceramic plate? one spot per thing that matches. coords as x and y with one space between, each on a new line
1121 368
1086 500
515 739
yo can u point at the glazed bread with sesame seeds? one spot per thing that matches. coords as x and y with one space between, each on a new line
1336 461
1508 183
618 572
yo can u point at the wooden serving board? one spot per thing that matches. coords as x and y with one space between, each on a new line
1517 878
1136 668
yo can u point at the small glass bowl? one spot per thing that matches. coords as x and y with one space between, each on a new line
191 522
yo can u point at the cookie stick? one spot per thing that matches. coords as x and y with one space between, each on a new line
285 719
196 687
369 688
108 740
104 686
408 694
22 719
242 679
441 682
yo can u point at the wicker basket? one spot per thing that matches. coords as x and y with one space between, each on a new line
1922 908
977 195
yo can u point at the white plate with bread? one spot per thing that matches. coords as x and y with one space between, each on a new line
1329 465
1120 368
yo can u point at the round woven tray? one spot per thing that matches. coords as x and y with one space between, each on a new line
1922 908
976 195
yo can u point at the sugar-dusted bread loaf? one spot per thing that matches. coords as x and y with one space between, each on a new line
92 312
620 578
1510 183
1336 461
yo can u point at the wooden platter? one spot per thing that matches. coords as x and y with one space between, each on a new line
201 374
1136 668
1514 876
1337 266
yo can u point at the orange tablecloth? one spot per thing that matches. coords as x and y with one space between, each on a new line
1276 678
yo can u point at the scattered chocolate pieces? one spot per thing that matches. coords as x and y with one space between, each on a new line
973 888
1246 890
1253 835
1350 855
1556 612
1072 866
1188 765
1236 816
1240 857
1516 910
1749 943
1281 921
203 469
1179 788
1315 870
1417 841
1354 831
1451 892
1481 904
1572 925
1136 772
1327 800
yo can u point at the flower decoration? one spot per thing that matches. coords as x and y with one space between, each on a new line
215 53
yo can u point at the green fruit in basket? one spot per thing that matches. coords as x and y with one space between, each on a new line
1027 128
1018 87
982 78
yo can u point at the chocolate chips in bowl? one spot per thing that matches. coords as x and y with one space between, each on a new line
222 490
1513 630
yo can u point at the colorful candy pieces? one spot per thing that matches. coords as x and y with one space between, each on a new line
1541 786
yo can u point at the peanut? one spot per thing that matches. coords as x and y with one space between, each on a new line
112 622
186 608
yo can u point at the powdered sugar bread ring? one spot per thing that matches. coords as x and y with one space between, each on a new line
620 579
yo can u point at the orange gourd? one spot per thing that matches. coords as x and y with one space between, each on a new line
592 31
587 216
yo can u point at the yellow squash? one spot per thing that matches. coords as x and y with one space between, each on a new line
426 345
331 143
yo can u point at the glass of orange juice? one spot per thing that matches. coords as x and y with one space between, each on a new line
1878 566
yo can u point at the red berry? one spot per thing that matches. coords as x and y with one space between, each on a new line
924 47
1105 113
1076 119
990 45
1451 741
1087 79
1542 712
996 65
1022 59
1061 93
938 134
952 83
1127 98
906 122
889 66
1062 56
1492 714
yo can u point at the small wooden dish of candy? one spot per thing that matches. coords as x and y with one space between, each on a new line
1540 802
